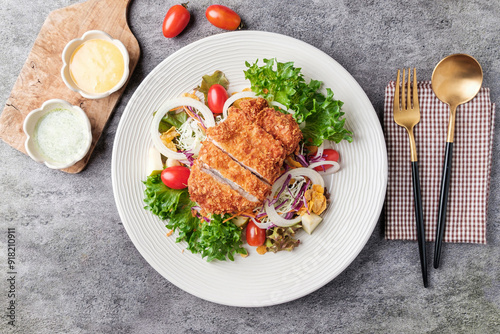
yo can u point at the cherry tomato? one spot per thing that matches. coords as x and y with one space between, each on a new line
223 17
255 235
176 20
175 177
217 96
330 155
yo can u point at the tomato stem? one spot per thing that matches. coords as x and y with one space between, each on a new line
185 5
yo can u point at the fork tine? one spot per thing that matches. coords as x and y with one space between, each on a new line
415 94
408 98
396 94
403 100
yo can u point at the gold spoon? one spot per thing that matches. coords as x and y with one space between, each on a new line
456 80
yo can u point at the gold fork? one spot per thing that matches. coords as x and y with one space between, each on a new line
407 115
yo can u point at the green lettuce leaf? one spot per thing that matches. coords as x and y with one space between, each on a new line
284 83
161 200
170 119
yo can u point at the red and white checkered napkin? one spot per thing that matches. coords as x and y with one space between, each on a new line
470 174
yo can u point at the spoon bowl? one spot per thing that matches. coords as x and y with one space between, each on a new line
456 80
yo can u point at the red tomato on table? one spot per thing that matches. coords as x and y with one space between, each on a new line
223 17
255 235
175 177
330 155
217 96
176 20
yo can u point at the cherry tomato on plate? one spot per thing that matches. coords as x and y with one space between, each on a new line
217 96
175 177
330 155
176 20
223 17
255 235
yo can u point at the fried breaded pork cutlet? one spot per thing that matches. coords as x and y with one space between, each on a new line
241 158
229 171
214 196
281 126
250 145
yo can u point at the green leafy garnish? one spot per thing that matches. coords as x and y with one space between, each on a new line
172 118
208 80
217 239
284 83
164 201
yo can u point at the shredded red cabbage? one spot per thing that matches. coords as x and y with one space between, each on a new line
305 204
189 157
260 215
302 160
197 117
301 193
313 159
297 206
285 185
280 205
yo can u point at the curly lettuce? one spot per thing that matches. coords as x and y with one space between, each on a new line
218 239
284 83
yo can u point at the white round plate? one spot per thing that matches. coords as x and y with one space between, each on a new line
357 191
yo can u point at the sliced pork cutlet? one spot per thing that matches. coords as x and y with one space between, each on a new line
228 171
214 196
281 126
249 145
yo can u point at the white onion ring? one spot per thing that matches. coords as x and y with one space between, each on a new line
262 226
171 104
273 215
313 175
277 219
334 169
234 97
282 106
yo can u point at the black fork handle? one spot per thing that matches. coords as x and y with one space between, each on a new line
443 202
419 220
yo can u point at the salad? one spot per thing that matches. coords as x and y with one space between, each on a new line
218 200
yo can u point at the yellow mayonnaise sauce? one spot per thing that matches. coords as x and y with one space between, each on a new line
96 66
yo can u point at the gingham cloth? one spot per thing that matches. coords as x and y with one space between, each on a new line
470 174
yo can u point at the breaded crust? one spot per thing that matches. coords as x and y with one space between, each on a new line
214 158
213 196
249 144
281 126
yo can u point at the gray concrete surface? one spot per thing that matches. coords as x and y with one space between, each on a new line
78 272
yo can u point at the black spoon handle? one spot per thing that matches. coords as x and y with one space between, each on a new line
443 201
419 220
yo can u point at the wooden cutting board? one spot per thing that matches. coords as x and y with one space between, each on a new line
40 77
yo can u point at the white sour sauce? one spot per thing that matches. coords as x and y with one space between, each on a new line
61 135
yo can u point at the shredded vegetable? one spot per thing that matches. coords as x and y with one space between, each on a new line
191 136
182 101
281 206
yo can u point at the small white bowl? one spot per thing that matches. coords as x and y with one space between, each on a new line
30 128
74 44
